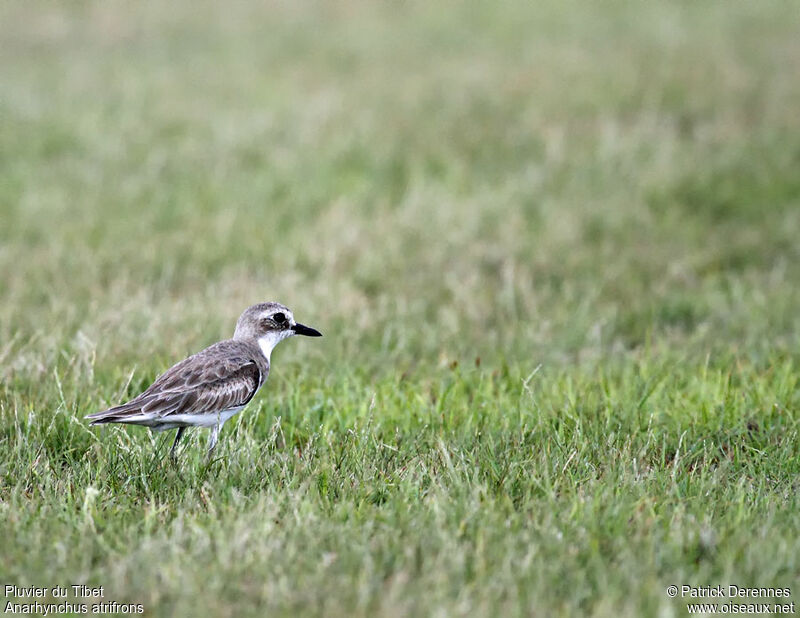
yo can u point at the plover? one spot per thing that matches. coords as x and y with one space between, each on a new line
209 387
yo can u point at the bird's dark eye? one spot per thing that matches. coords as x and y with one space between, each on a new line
279 318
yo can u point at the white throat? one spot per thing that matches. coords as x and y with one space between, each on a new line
270 340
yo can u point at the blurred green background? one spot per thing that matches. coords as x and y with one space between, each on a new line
586 187
507 180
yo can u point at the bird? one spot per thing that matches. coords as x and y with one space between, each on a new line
208 388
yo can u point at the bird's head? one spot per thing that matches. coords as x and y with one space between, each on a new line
268 324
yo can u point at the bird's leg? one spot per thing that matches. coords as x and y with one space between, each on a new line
212 441
173 452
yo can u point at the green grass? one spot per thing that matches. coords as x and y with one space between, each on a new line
554 252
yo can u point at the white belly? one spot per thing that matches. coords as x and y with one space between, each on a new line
193 420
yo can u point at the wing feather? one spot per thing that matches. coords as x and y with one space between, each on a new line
198 397
214 380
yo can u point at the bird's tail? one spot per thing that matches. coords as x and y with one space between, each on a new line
118 414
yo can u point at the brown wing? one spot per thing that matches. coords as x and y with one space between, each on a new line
217 379
200 395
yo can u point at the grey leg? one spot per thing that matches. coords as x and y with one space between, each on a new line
212 441
173 450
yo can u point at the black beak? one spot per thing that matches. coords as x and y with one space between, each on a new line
302 329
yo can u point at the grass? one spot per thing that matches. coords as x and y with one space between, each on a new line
554 252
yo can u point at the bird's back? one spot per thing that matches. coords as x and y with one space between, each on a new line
222 376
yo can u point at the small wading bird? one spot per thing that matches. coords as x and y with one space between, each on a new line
209 387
